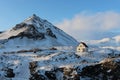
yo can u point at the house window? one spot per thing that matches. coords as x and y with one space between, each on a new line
80 45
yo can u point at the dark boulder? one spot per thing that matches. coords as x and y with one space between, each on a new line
33 74
51 75
70 74
32 67
37 76
91 71
9 73
53 48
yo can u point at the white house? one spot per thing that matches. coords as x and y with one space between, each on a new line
82 47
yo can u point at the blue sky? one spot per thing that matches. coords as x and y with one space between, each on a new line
60 13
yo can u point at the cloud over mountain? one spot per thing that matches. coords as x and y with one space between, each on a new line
86 25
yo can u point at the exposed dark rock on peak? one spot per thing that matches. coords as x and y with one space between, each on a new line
34 18
30 32
50 33
18 26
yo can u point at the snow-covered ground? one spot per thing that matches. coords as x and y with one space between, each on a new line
47 59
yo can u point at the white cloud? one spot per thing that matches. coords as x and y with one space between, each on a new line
90 26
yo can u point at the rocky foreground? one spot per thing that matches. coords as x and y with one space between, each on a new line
60 63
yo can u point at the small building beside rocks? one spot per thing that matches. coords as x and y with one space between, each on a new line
82 47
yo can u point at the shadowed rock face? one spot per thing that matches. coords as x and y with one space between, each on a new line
50 33
37 76
51 75
109 70
31 32
33 74
18 26
64 73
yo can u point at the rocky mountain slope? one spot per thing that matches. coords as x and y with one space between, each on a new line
35 31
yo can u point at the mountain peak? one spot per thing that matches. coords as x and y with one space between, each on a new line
33 19
38 30
34 16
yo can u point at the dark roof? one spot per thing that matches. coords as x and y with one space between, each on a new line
83 44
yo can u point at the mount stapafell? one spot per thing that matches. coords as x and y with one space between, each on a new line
36 31
35 49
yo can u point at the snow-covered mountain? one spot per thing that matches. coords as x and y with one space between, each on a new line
35 31
37 50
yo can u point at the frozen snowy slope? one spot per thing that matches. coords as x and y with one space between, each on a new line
35 31
60 63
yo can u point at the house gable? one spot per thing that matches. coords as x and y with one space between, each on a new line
82 47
